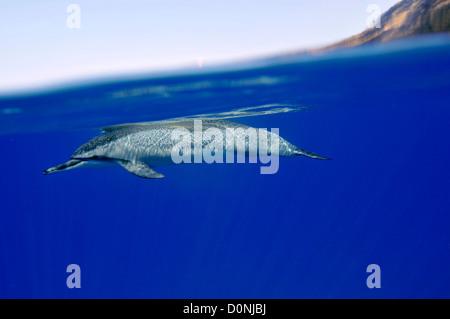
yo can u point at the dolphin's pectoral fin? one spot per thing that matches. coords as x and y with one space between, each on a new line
139 169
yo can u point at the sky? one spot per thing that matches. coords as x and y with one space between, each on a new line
40 44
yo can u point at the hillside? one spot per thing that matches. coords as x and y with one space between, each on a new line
406 18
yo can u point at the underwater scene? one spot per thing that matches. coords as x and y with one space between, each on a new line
310 228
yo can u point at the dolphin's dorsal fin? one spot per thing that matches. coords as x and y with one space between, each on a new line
139 169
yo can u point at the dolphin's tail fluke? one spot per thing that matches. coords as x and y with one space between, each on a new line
300 152
65 166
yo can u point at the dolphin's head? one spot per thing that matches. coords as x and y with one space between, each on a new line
65 166
96 148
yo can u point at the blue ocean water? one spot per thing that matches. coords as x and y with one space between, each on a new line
381 113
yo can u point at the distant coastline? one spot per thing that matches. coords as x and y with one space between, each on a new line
405 19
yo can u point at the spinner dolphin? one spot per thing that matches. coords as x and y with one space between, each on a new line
141 146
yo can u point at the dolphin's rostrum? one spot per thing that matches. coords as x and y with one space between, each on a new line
140 146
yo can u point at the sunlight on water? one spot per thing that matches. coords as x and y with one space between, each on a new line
243 112
166 90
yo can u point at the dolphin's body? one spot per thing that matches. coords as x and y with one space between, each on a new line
137 147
